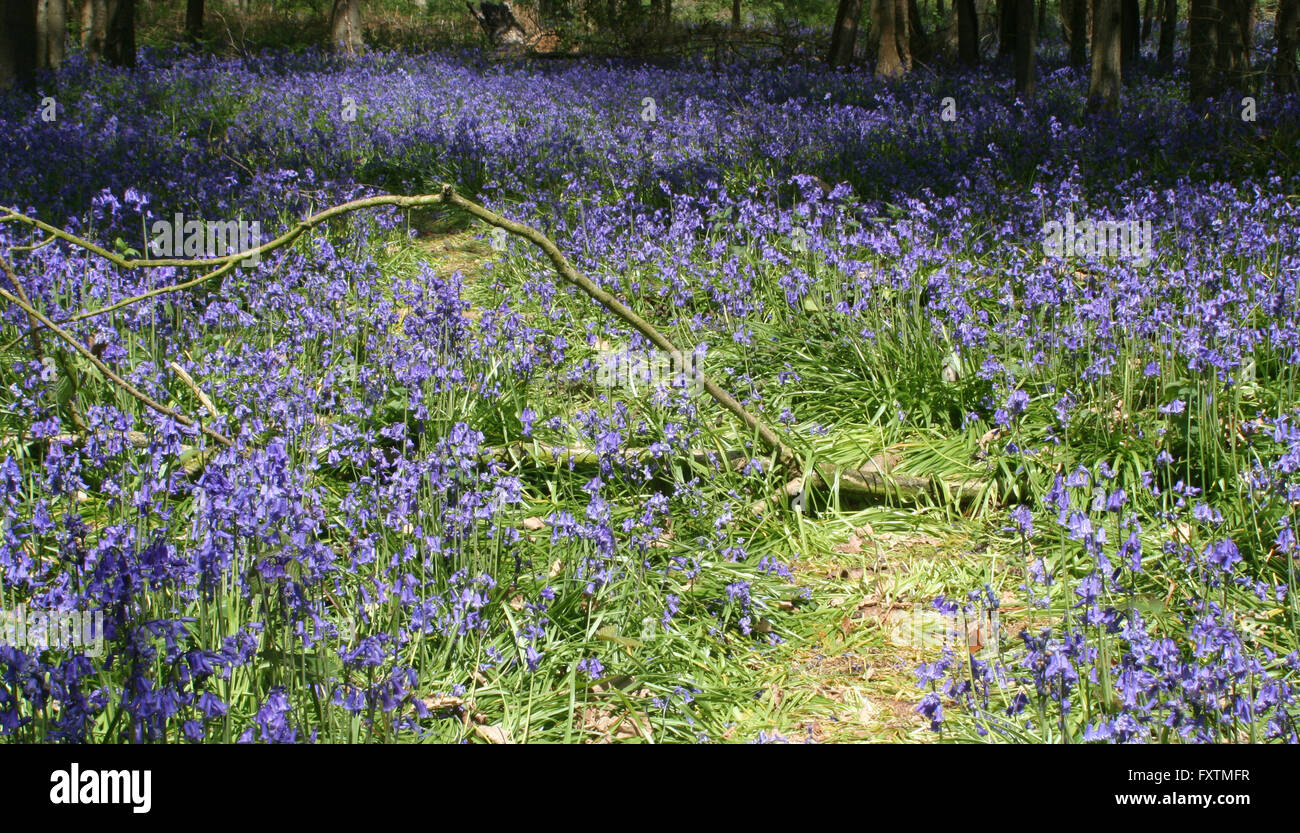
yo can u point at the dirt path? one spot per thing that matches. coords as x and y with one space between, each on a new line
845 672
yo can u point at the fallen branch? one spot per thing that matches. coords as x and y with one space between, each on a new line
876 479
34 329
194 388
192 459
872 481
546 454
785 457
108 372
224 263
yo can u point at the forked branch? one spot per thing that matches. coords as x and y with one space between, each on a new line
224 264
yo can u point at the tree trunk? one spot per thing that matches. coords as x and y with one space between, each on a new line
918 43
345 27
94 28
1203 30
1168 29
1130 28
735 14
193 20
968 33
17 40
661 13
1104 85
1007 27
1148 15
51 33
505 31
8 71
893 58
845 34
1288 38
1042 17
1025 52
905 30
1236 24
119 45
1076 19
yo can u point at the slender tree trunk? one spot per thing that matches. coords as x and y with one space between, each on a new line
968 32
1228 55
891 18
1078 24
119 46
918 43
906 25
1168 30
43 31
845 34
18 40
1104 85
345 27
1288 38
1148 14
51 32
1203 30
1130 28
1025 48
1236 24
1007 17
94 28
8 70
735 14
193 20
1042 18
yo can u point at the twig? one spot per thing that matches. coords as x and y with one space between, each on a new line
224 263
192 459
108 371
189 383
47 241
34 329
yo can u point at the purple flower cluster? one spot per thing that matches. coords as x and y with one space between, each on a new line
1115 664
364 541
